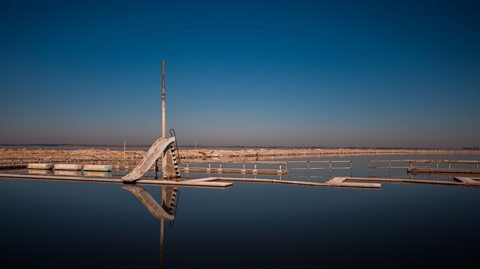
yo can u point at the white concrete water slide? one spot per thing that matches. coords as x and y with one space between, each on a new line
162 147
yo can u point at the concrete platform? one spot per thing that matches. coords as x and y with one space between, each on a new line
41 166
97 168
66 166
225 182
186 183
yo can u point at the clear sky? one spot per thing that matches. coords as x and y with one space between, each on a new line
253 73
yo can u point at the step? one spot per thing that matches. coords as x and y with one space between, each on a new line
97 167
64 166
41 166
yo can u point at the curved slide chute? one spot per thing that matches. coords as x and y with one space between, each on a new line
156 151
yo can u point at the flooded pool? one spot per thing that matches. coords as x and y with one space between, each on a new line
80 225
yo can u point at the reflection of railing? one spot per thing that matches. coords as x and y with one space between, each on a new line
430 166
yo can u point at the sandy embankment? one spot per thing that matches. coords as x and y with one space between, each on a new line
211 155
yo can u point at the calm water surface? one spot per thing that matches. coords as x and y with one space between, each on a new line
83 225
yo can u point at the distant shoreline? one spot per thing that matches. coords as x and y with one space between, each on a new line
92 155
120 147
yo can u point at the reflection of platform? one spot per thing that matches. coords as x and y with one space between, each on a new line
67 173
97 174
37 172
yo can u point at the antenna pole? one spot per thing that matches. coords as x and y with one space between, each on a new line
163 98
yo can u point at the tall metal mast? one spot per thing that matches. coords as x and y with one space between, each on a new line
163 99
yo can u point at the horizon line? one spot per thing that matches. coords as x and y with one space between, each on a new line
231 146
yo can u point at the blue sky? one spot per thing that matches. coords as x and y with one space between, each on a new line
252 73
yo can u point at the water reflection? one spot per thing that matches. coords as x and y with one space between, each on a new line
358 223
37 172
163 211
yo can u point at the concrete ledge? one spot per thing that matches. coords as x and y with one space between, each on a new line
42 166
97 167
64 166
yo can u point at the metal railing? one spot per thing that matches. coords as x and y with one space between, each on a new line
331 165
410 164
243 166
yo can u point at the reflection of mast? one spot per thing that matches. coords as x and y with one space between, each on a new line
162 227
167 199
162 211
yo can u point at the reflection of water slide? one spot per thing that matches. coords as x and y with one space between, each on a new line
163 147
163 211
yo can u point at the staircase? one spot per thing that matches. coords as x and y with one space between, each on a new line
174 153
175 158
